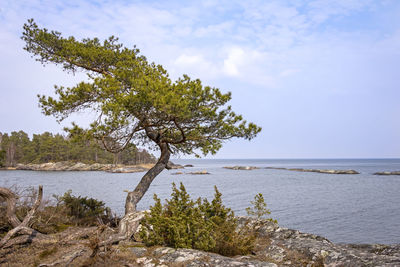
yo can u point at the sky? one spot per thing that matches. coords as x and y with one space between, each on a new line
320 77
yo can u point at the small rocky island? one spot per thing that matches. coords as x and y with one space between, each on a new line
242 168
388 173
316 170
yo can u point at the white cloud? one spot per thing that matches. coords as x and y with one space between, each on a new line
233 61
195 65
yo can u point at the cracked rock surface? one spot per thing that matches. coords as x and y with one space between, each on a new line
278 246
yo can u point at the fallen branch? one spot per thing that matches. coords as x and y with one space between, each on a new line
67 259
11 200
23 226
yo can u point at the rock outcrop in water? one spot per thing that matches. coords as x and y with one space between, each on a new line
388 173
174 166
242 168
316 170
199 172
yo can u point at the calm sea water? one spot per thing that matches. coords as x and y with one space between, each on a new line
362 208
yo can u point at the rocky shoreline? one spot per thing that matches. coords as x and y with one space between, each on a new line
79 166
278 246
275 246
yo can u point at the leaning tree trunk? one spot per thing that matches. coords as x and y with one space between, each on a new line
130 222
136 195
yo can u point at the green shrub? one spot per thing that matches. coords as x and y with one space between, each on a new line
59 214
82 208
70 210
184 223
259 209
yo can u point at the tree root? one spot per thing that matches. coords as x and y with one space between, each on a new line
127 228
19 227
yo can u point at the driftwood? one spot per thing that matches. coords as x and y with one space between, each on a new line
11 200
66 259
19 227
126 229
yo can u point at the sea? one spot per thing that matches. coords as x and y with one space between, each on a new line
360 208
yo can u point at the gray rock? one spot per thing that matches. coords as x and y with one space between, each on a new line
127 170
278 246
246 168
79 167
191 257
139 251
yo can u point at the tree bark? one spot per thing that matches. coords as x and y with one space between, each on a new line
136 195
130 222
11 200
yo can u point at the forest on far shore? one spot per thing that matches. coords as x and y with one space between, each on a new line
17 147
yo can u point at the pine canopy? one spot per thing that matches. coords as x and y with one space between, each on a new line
135 101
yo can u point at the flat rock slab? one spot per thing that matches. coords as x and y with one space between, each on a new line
189 257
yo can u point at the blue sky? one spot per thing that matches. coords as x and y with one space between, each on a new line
321 77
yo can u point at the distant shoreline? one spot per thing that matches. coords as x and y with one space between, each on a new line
79 166
121 168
